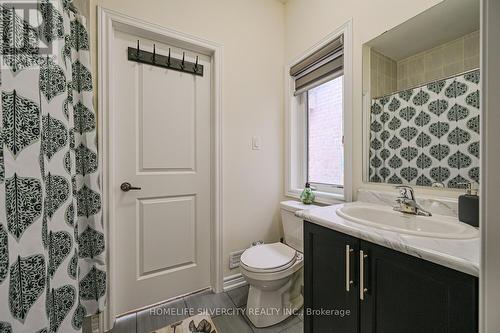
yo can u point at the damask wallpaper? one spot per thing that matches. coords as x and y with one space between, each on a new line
427 134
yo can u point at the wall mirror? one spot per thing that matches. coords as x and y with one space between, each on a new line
421 93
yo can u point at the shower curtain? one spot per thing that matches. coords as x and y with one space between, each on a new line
52 242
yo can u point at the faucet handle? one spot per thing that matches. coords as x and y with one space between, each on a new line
407 202
406 192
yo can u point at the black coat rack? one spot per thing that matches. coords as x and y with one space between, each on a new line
151 58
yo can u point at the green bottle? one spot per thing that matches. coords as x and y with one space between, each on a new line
307 196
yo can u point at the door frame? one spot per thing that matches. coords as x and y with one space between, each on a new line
108 21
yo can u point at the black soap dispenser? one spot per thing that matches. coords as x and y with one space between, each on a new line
468 207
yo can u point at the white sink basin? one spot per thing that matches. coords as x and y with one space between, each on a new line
386 218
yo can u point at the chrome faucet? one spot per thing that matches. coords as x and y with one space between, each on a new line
407 202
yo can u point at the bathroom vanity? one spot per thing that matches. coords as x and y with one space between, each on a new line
360 278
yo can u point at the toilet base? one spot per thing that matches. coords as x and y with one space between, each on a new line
267 308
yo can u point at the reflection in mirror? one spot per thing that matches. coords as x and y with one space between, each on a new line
421 99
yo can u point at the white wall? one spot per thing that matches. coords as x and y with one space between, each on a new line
252 32
308 21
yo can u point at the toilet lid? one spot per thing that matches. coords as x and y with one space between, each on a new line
268 257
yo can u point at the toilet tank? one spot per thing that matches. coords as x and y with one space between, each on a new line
293 225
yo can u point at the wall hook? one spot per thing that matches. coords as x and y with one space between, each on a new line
194 67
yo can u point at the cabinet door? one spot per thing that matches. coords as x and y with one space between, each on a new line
411 295
325 278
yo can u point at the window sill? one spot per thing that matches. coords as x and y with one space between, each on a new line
323 198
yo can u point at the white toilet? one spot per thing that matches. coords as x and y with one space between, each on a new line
274 272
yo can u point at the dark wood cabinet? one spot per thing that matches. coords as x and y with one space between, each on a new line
412 295
401 293
325 287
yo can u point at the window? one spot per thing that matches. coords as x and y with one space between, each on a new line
325 149
317 116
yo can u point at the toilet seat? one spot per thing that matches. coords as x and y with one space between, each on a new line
268 258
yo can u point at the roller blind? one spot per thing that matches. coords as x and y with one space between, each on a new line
325 64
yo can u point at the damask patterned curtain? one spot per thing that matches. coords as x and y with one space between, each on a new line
52 267
427 134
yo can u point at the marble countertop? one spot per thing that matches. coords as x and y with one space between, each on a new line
460 255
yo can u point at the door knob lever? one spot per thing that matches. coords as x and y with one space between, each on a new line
126 186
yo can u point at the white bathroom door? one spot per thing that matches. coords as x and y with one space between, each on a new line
160 137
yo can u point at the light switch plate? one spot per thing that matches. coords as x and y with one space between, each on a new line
256 143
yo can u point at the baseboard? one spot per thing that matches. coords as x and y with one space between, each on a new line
234 281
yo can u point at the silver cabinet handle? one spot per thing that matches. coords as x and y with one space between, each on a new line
126 186
348 280
362 289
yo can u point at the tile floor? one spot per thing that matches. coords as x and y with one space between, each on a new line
217 304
